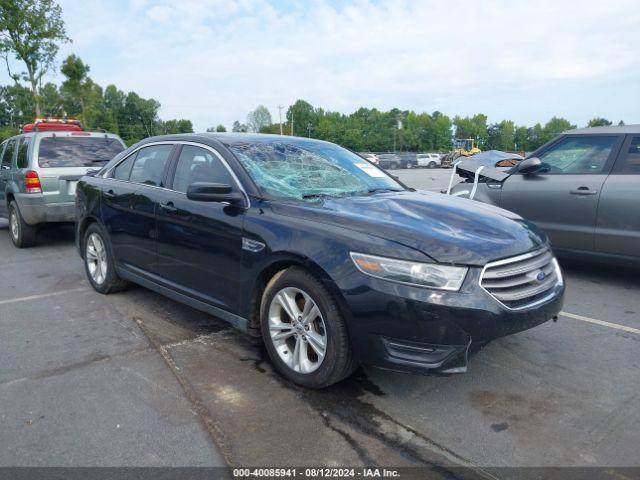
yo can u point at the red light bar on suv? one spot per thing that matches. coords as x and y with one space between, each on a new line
53 125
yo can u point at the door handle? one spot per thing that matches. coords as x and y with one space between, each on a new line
583 191
109 194
168 207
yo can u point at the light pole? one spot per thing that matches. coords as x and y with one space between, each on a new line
280 107
309 127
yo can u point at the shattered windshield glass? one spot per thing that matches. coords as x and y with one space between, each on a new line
310 170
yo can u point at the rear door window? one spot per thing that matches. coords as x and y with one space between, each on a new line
149 165
77 151
629 161
7 158
22 160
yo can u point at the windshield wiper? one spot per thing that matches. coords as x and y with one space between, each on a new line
383 190
317 195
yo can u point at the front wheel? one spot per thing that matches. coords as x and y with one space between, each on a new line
99 262
303 330
432 164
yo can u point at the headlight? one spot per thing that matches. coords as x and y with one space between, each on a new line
431 275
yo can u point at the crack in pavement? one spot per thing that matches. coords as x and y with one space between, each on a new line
211 426
94 358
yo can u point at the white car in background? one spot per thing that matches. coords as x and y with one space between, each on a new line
372 157
428 160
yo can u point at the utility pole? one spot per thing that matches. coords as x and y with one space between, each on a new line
280 107
309 127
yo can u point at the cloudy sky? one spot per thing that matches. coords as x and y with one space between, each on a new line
212 61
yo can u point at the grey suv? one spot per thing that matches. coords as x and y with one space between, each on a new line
582 189
38 176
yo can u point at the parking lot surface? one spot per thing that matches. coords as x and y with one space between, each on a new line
136 379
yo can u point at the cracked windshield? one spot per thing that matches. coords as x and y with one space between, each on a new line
309 170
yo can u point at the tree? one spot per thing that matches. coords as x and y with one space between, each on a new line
599 122
31 30
239 127
501 136
51 100
74 86
17 105
472 127
258 118
520 138
219 128
555 127
176 126
299 116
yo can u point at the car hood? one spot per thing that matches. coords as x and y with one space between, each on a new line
447 229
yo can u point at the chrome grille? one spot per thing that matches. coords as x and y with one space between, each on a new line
522 281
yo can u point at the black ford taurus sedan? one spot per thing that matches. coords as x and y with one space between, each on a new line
327 257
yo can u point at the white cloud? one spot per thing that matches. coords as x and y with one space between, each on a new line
214 60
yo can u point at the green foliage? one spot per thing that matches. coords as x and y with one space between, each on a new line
473 127
555 127
219 128
599 122
501 136
299 116
7 131
17 105
175 126
258 118
239 127
30 31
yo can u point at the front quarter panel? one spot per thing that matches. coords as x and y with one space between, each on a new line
88 195
327 247
484 192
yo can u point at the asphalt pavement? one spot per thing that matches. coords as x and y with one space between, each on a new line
136 379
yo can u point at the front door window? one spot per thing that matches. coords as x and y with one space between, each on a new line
578 155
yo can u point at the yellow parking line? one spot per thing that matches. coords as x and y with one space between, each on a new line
624 328
38 297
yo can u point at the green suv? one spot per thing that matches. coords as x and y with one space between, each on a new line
38 176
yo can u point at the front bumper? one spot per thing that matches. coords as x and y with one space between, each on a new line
406 328
35 209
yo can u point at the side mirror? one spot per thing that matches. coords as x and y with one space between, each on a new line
529 166
214 192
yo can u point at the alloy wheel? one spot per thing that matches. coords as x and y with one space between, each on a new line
14 225
96 258
297 330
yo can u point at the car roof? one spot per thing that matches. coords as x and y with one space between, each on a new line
614 129
229 139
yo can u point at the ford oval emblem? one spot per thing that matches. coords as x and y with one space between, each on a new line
541 276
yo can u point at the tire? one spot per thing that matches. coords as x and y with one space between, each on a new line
99 262
432 164
409 165
394 165
22 234
325 325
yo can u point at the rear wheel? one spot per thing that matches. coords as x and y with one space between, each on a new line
432 164
394 165
22 234
303 330
99 262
